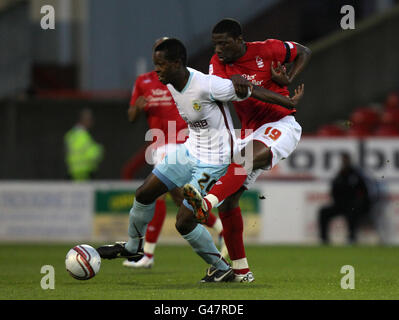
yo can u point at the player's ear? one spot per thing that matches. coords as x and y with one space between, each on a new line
239 39
177 63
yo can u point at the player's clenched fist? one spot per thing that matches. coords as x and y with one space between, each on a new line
241 85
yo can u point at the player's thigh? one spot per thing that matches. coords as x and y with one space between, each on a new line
150 190
252 154
159 153
177 196
281 137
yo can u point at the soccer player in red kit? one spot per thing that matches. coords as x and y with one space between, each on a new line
271 129
168 129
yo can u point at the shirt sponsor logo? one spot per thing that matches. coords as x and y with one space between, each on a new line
252 79
159 96
198 124
159 92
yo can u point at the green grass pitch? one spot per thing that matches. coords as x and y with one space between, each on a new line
281 272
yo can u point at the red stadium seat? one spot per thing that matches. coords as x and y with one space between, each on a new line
392 101
367 118
390 117
387 131
360 131
330 130
389 124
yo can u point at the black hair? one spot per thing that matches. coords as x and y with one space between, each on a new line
230 26
174 50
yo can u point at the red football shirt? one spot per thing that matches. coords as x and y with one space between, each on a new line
160 107
255 65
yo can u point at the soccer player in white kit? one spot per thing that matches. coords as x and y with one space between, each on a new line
200 161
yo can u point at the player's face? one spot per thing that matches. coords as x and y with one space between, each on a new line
164 68
226 47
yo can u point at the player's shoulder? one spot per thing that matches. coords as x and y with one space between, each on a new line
264 48
264 43
203 77
197 75
147 77
205 83
215 59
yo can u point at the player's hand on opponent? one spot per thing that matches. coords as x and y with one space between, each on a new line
299 92
241 85
279 74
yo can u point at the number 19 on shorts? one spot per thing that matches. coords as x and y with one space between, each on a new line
273 134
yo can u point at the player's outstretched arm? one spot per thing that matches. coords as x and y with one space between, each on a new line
265 95
242 85
135 109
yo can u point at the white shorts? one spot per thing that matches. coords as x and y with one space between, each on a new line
281 137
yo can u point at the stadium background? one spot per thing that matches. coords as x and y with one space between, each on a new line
92 58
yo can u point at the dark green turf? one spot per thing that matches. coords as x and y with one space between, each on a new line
281 272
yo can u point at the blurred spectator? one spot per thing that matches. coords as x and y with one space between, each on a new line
351 198
83 154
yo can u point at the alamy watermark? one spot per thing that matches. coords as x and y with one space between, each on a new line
348 280
48 280
48 20
348 20
220 146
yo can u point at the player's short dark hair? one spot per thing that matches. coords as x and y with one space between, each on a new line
174 50
230 26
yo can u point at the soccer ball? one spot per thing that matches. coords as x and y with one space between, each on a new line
83 262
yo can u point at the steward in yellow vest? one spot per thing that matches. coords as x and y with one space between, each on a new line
83 154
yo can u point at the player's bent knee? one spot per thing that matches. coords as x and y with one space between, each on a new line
185 222
144 196
177 196
181 226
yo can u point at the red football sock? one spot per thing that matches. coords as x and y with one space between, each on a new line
241 271
233 227
211 220
228 184
155 226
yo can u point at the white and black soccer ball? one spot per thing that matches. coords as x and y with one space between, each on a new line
83 262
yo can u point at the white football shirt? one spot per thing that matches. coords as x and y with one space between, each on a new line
202 104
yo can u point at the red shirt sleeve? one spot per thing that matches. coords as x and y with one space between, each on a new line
283 51
136 92
217 68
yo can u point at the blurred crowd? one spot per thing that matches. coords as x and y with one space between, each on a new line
381 120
